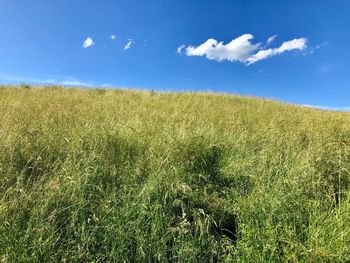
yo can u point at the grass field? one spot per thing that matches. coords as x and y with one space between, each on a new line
94 175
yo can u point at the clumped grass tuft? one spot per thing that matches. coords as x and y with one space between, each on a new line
98 175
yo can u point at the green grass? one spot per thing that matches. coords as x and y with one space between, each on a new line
94 175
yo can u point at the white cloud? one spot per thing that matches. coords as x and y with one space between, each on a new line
113 37
342 109
241 49
88 42
261 54
64 81
179 49
313 49
128 45
325 68
67 81
271 39
295 44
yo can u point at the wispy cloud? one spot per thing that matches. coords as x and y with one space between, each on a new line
88 42
113 37
68 81
295 44
313 49
271 39
327 107
72 82
179 49
241 49
63 81
129 43
325 68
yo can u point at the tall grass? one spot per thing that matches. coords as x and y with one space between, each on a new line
93 175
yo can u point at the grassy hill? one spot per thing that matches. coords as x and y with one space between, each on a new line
93 175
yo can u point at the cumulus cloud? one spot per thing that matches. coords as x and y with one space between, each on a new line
128 44
241 49
88 42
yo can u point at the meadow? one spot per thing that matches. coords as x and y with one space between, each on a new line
103 175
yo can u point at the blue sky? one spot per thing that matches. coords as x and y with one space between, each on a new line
307 62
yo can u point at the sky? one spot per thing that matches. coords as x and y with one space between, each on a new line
293 51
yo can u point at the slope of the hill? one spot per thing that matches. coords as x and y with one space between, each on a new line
125 176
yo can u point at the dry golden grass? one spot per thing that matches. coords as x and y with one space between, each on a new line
94 175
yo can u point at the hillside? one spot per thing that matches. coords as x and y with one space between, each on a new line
93 175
